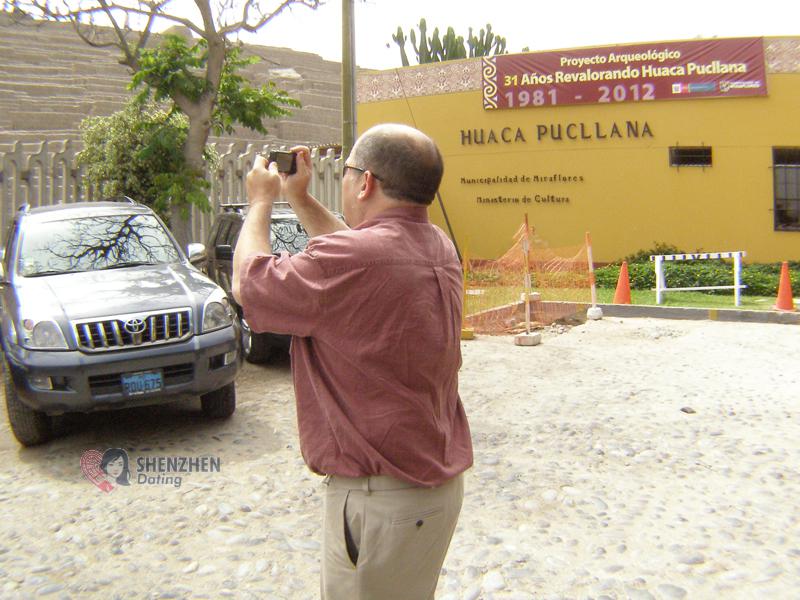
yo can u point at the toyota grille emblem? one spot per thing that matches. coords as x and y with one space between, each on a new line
134 326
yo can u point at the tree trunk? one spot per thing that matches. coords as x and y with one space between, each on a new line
196 139
181 228
199 112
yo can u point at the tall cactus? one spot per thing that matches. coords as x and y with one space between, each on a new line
437 51
422 51
487 44
400 39
450 46
453 45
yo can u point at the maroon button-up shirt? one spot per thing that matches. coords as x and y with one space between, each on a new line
375 313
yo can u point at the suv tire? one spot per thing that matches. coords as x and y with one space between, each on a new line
29 426
256 347
220 403
260 349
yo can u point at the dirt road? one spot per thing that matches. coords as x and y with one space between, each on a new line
620 459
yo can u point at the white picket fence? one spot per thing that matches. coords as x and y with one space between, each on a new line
47 173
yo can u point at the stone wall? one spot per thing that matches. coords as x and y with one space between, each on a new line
50 80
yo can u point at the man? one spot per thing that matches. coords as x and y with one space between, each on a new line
375 314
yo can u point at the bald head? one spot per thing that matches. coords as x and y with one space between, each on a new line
405 161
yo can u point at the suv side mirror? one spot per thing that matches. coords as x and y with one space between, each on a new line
196 253
223 252
195 249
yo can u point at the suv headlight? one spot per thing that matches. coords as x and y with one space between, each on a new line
42 335
217 312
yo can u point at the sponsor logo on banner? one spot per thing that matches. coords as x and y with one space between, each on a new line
693 88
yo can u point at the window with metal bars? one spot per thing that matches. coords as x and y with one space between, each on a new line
786 174
690 156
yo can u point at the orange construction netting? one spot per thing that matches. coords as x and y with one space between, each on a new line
494 290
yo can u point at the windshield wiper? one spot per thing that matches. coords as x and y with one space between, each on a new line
43 273
127 264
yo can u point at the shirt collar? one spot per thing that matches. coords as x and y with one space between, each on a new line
415 214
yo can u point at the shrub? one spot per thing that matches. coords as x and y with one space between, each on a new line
643 256
760 279
138 152
642 276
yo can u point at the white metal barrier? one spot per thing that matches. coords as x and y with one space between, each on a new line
661 283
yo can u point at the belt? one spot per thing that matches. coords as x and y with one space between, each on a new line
371 483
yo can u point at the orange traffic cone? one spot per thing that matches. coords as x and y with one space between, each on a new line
622 295
784 301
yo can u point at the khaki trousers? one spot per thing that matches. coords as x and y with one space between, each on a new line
386 539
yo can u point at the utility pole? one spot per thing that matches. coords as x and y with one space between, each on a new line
348 78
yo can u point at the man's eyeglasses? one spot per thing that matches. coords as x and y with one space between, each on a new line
360 170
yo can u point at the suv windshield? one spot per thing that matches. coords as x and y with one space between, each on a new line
288 236
93 244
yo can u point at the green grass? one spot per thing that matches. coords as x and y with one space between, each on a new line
507 295
691 299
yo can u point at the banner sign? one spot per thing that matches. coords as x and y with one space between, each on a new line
630 73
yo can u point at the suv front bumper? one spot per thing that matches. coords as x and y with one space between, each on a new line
83 382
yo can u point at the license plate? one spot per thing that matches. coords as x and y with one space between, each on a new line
144 382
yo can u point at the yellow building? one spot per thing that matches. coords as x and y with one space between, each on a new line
661 142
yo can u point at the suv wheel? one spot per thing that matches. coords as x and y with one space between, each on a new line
255 346
220 403
30 427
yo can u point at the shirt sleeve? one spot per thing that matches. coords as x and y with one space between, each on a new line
282 294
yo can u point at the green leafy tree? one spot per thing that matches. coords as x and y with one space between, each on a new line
200 77
169 71
138 152
448 47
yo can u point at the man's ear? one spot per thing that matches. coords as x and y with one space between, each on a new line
368 186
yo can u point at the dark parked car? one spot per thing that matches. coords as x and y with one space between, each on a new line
288 235
101 310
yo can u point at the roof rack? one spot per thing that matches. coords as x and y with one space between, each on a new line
233 207
240 205
120 199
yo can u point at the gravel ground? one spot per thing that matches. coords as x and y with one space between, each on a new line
630 458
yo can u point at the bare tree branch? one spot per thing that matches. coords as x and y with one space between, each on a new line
130 58
128 25
263 19
145 34
209 27
88 35
102 8
251 20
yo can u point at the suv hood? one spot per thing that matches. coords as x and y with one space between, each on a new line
117 291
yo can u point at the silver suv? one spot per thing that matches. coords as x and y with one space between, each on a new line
287 235
102 310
